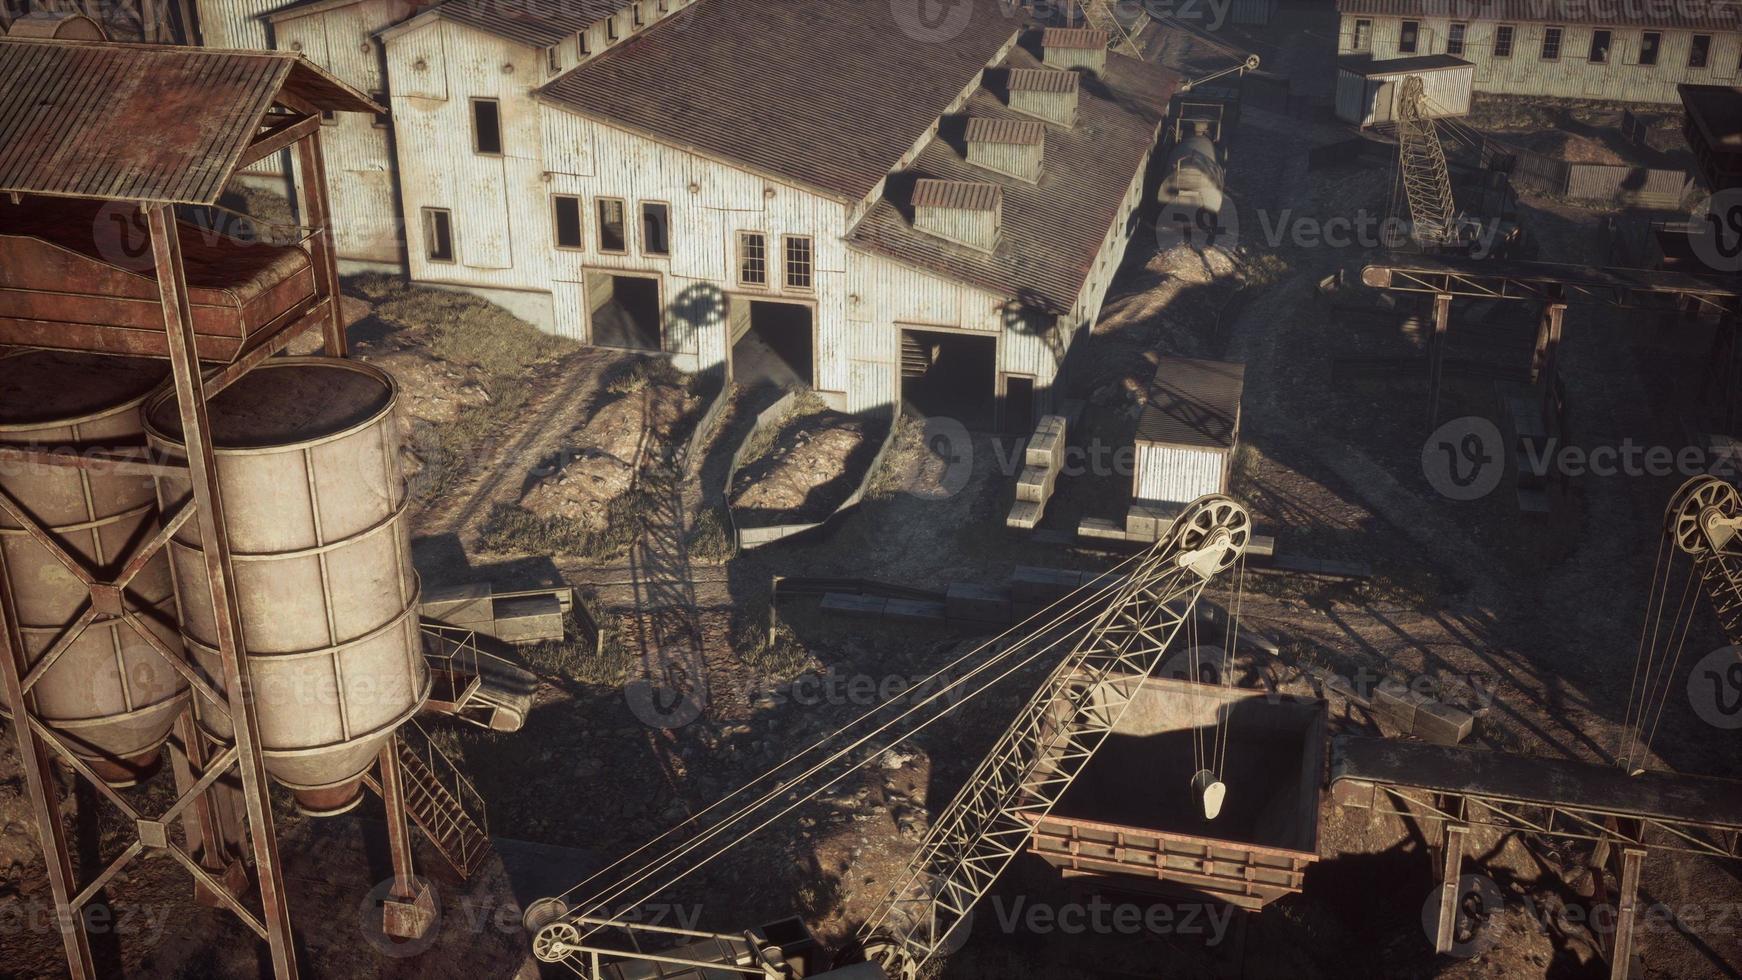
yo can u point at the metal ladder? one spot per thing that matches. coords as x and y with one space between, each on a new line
441 801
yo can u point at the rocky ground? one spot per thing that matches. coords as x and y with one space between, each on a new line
1532 623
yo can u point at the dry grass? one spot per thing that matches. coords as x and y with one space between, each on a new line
710 540
513 529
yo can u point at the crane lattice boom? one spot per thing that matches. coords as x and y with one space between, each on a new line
1426 182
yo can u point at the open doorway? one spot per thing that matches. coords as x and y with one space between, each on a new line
773 343
1018 404
625 310
950 375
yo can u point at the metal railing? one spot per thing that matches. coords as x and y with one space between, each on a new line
453 655
434 772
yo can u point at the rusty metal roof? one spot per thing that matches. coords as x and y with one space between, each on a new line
1193 403
1021 132
963 195
535 23
1041 80
1051 230
1074 38
1691 15
160 124
828 94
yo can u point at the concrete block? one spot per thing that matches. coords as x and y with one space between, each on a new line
914 609
1101 528
469 606
976 603
848 604
1029 583
1035 484
1443 723
1024 515
527 619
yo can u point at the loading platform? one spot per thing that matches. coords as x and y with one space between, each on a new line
1453 791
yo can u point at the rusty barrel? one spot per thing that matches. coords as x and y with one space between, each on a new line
111 696
315 503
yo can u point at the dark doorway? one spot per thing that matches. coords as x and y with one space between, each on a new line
1018 404
625 311
772 343
950 375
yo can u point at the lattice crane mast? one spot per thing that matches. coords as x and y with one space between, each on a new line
1130 626
1427 183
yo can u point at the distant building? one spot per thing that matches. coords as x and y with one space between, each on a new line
801 191
1624 52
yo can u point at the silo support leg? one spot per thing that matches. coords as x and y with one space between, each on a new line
217 851
409 910
221 577
1445 934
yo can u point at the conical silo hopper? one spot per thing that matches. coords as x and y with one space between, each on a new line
315 508
111 697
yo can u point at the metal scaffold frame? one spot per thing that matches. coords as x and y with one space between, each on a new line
220 815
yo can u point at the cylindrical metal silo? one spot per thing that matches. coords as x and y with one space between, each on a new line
110 696
315 507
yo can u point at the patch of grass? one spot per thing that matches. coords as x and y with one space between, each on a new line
634 376
711 539
514 529
603 660
772 662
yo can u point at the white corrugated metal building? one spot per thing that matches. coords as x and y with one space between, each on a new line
730 188
1368 90
1623 52
1188 432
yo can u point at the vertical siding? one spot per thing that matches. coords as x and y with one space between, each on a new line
1177 475
1622 78
236 23
360 167
500 204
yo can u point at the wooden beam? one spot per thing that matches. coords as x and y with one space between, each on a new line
1436 354
279 136
1451 866
1626 910
318 215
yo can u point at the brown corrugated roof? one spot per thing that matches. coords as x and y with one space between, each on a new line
1042 80
965 195
535 23
826 93
1052 229
1688 15
1193 403
1022 132
1075 38
142 122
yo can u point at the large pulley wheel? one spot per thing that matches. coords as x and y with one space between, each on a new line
1693 505
1212 519
555 941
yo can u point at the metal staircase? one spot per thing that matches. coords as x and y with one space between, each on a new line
1426 181
916 356
441 801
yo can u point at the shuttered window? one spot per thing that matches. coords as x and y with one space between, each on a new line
438 234
1700 54
1455 39
1551 44
613 226
752 258
1650 45
655 228
1503 41
1410 38
487 127
800 262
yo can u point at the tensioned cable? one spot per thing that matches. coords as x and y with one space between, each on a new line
1652 673
1236 599
1094 593
1670 669
1655 596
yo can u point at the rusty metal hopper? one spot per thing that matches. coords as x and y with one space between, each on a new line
315 505
110 696
1132 814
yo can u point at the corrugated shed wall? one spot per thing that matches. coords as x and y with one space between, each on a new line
1572 76
1176 475
239 24
358 153
702 269
499 204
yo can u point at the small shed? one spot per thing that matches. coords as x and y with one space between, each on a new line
1187 432
1368 89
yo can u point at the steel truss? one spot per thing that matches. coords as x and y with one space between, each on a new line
1042 752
